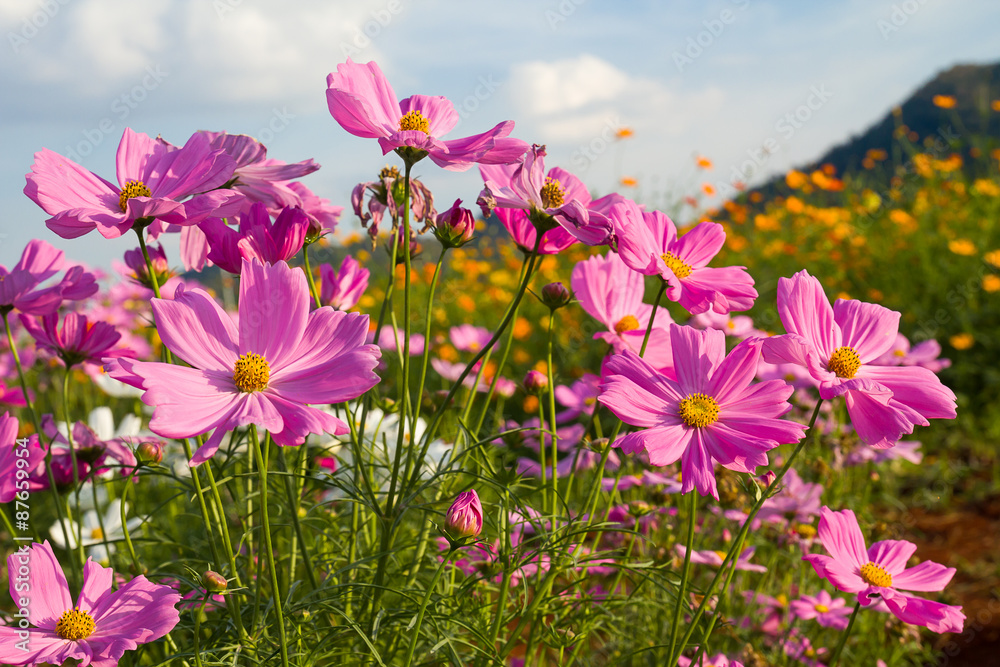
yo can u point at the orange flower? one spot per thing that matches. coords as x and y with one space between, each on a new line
691 201
944 101
995 105
991 282
708 189
703 162
628 182
877 154
962 341
794 205
962 247
623 133
795 179
522 328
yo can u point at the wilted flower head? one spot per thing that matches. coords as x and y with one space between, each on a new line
387 194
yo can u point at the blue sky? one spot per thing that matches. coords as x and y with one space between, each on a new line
690 78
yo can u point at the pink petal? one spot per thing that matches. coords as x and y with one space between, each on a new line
805 310
274 307
439 112
195 328
915 387
58 184
701 244
49 592
696 356
891 555
138 612
842 575
97 581
869 328
697 467
926 576
736 371
362 101
841 536
935 616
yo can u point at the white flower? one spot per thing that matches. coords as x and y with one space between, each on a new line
93 535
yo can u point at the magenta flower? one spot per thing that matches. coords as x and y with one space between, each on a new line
710 413
135 261
880 573
612 294
579 398
19 287
527 199
93 454
78 340
838 345
828 611
98 629
648 243
257 237
11 453
363 102
454 227
717 660
264 371
259 178
323 215
153 178
716 558
343 289
465 516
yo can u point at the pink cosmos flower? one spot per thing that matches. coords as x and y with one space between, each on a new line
98 629
908 450
738 327
828 611
257 237
716 558
93 454
392 340
323 215
259 178
525 198
19 287
153 178
796 500
838 345
579 398
648 243
78 340
361 100
33 454
612 294
924 354
469 338
717 660
710 413
343 289
264 371
880 573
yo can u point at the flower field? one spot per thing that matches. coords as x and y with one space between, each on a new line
563 429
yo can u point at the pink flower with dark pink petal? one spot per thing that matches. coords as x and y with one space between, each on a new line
926 354
265 371
880 573
716 558
648 243
711 413
98 629
362 101
257 237
342 289
78 340
469 338
527 199
33 453
153 179
830 612
20 287
838 346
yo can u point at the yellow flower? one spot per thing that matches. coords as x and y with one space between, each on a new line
993 257
962 341
991 282
794 204
522 328
766 223
995 105
944 101
962 247
984 186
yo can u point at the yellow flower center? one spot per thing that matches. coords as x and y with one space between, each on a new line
821 608
75 625
674 263
414 121
721 554
876 575
899 353
806 530
627 323
845 362
389 172
97 534
552 193
251 372
699 410
132 189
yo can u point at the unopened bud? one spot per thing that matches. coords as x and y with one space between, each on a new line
455 226
214 582
149 453
465 516
535 382
555 295
136 261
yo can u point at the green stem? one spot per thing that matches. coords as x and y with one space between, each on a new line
293 509
309 276
268 547
552 414
423 608
685 570
128 540
835 658
76 471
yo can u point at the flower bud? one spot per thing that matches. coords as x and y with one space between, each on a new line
402 246
135 260
535 382
465 516
149 452
555 295
214 582
455 226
